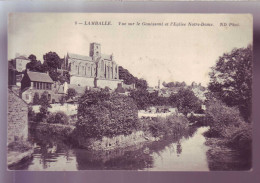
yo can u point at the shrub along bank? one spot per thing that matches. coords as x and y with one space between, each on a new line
101 113
228 131
104 116
159 127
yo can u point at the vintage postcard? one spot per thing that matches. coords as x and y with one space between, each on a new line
110 91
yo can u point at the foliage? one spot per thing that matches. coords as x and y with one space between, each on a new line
58 117
51 63
103 114
144 99
71 92
185 100
231 80
44 101
36 65
174 84
52 130
141 84
62 100
36 99
19 146
53 60
128 78
227 124
126 75
159 126
141 98
31 114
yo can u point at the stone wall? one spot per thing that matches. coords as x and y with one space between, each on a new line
17 118
82 81
112 84
119 141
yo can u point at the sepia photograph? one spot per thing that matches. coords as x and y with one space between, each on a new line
122 91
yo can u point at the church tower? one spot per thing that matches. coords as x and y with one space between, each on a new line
95 50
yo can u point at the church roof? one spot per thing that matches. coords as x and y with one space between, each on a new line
106 57
40 77
79 57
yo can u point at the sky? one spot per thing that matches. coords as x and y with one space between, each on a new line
166 53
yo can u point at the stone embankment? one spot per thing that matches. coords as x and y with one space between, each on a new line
119 141
14 157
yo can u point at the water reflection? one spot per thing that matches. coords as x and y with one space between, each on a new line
179 152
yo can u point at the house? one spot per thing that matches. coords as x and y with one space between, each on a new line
19 66
36 82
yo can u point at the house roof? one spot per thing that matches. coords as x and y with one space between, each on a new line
22 57
40 77
11 91
80 57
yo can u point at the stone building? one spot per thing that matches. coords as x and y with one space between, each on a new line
95 70
33 82
19 65
17 118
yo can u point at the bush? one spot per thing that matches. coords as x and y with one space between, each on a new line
19 146
164 126
103 114
31 114
186 101
62 100
227 124
58 117
223 120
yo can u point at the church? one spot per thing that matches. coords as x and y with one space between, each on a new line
95 70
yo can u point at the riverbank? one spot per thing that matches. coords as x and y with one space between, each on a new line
18 151
223 157
116 142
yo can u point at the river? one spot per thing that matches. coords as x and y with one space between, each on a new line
180 153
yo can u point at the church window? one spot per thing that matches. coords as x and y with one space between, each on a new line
105 71
102 65
34 85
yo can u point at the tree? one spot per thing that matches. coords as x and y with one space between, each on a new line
130 79
44 101
101 113
35 65
141 98
186 101
231 80
141 84
53 60
36 99
71 93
